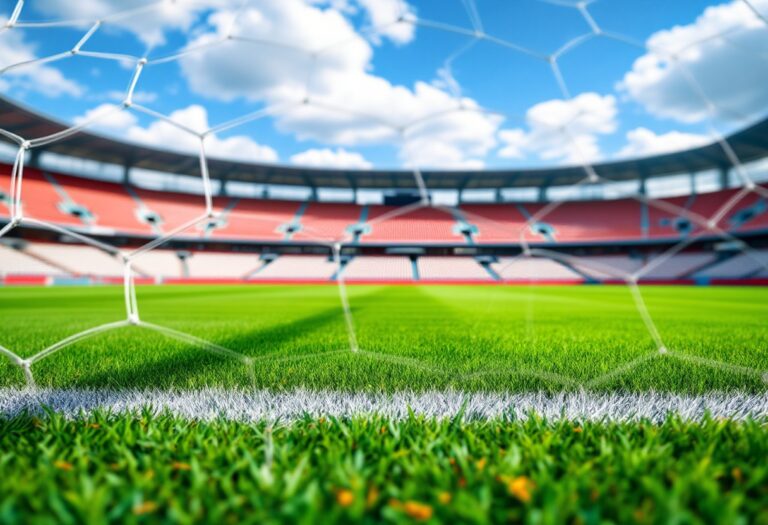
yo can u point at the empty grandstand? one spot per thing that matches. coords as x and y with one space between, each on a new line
396 236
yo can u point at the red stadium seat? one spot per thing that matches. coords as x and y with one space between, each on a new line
419 225
257 219
111 206
325 221
39 199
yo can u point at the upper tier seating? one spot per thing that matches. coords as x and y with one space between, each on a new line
258 219
496 223
106 208
110 205
569 221
592 221
176 210
418 225
327 222
39 197
748 212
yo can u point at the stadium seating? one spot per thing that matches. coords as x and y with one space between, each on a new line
45 259
16 262
607 266
451 268
223 265
327 222
533 269
663 219
257 219
176 209
420 225
78 259
160 264
288 267
375 268
40 198
680 266
109 204
103 207
739 266
751 213
595 221
566 222
496 223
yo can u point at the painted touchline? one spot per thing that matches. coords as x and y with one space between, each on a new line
254 405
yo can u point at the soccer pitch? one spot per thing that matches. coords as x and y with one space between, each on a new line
468 338
385 458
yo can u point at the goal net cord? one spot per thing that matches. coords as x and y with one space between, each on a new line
708 225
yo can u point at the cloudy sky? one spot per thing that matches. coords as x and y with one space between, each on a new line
391 83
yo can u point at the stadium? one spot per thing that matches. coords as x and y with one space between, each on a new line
422 325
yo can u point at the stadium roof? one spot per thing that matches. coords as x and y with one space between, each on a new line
748 144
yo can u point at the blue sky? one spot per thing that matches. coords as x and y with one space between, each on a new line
435 84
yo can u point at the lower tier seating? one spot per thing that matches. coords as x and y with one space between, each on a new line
375 268
43 259
451 268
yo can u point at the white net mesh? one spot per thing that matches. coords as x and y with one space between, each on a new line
312 96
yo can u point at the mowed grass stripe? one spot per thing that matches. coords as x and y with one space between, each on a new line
469 338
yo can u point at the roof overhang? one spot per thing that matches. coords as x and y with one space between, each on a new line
748 145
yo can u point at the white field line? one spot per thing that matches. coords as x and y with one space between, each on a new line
255 405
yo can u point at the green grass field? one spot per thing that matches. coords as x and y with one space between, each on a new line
141 467
462 337
162 469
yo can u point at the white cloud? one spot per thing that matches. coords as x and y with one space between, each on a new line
373 110
385 14
435 154
329 158
149 25
348 104
138 96
42 78
162 134
108 117
731 70
563 130
386 18
642 142
514 143
457 139
278 71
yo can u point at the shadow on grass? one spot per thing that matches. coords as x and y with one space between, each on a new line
191 365
186 364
